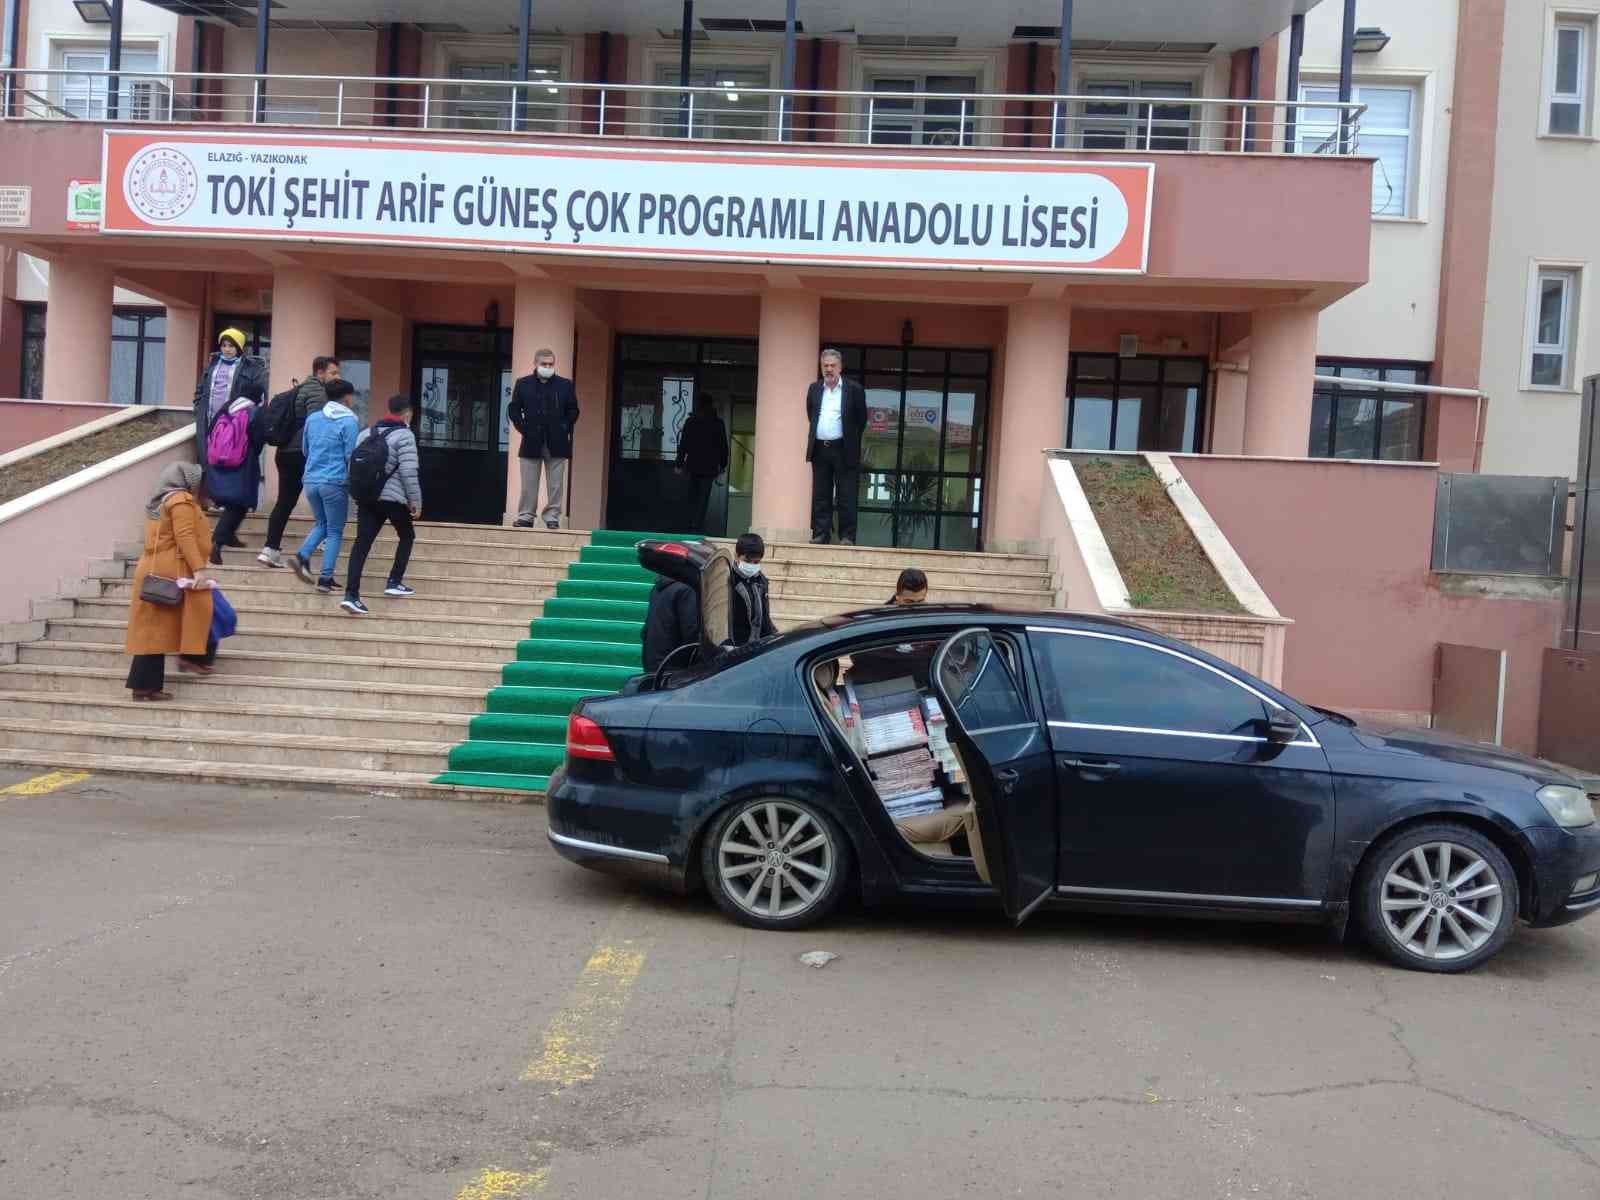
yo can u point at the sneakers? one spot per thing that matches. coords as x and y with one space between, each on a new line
399 589
353 606
271 558
552 524
327 585
302 568
523 523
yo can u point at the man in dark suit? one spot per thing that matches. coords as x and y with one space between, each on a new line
837 411
544 409
703 452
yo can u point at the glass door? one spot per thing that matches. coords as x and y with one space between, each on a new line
659 380
922 456
462 384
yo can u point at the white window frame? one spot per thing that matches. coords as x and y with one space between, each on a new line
61 45
451 51
864 66
1199 72
1586 21
1419 156
645 107
1572 273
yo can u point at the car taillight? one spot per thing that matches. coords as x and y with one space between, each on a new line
585 739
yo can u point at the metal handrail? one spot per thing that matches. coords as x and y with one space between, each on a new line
1245 125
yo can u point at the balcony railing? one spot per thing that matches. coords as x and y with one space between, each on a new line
1183 124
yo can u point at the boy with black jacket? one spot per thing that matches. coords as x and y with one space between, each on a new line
750 611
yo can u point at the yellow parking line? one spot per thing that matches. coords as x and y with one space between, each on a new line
494 1184
40 785
576 1038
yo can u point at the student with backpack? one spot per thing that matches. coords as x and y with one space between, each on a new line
283 424
330 439
385 487
233 468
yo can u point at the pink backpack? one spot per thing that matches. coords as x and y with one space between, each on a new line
228 444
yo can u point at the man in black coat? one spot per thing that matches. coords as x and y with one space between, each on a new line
544 409
836 409
672 621
703 452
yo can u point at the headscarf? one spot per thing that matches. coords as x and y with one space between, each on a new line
179 477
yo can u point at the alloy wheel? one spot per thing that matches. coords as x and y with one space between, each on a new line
775 860
1441 901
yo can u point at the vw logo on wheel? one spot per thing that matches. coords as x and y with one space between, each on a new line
160 183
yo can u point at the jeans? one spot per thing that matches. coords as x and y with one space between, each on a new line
291 467
330 504
370 519
227 526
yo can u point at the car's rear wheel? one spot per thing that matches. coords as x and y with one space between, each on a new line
1438 897
776 863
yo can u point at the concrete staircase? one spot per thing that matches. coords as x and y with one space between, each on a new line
305 694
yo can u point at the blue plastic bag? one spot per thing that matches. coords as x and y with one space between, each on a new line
224 621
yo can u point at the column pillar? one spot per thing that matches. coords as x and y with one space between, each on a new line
77 347
1277 399
303 303
790 340
388 364
1032 419
546 314
587 480
182 362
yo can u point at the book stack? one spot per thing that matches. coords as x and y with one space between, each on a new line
939 741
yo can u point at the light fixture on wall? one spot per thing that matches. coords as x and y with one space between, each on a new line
94 12
908 334
1369 39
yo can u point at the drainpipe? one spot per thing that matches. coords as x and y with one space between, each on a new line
1058 135
9 51
197 63
392 68
816 76
1347 61
114 63
263 26
519 97
605 78
683 67
1253 94
1297 44
1032 87
786 101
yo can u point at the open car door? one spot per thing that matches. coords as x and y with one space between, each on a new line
1009 767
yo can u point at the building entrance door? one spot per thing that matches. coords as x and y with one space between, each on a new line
658 382
461 378
923 452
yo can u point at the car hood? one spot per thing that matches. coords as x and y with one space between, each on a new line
1446 750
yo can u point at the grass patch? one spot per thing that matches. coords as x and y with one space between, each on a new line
41 470
1162 564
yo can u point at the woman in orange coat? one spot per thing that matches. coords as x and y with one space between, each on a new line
177 543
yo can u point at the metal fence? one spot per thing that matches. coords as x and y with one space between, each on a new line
1500 524
728 111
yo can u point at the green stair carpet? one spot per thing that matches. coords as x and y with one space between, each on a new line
586 644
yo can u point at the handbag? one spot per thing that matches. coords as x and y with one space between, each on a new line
158 589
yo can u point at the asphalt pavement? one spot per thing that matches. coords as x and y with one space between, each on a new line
219 994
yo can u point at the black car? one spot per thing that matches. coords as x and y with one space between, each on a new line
962 753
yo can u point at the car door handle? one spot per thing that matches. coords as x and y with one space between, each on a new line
1007 778
1092 768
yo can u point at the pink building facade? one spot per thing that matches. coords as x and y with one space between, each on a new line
1213 233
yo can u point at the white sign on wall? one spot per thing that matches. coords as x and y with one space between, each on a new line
16 202
974 211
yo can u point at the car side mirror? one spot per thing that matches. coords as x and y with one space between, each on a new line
1283 727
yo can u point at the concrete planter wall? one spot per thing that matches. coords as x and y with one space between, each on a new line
1088 580
48 535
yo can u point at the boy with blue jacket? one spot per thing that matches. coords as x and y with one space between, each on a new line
330 438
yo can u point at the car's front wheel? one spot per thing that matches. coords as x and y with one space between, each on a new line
1439 897
776 863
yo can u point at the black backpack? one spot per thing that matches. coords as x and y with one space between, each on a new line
369 466
278 424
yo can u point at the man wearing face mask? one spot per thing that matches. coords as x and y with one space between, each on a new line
544 409
749 610
230 375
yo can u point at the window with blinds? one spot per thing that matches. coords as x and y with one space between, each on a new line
1387 132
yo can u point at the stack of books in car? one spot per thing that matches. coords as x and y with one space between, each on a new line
939 741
